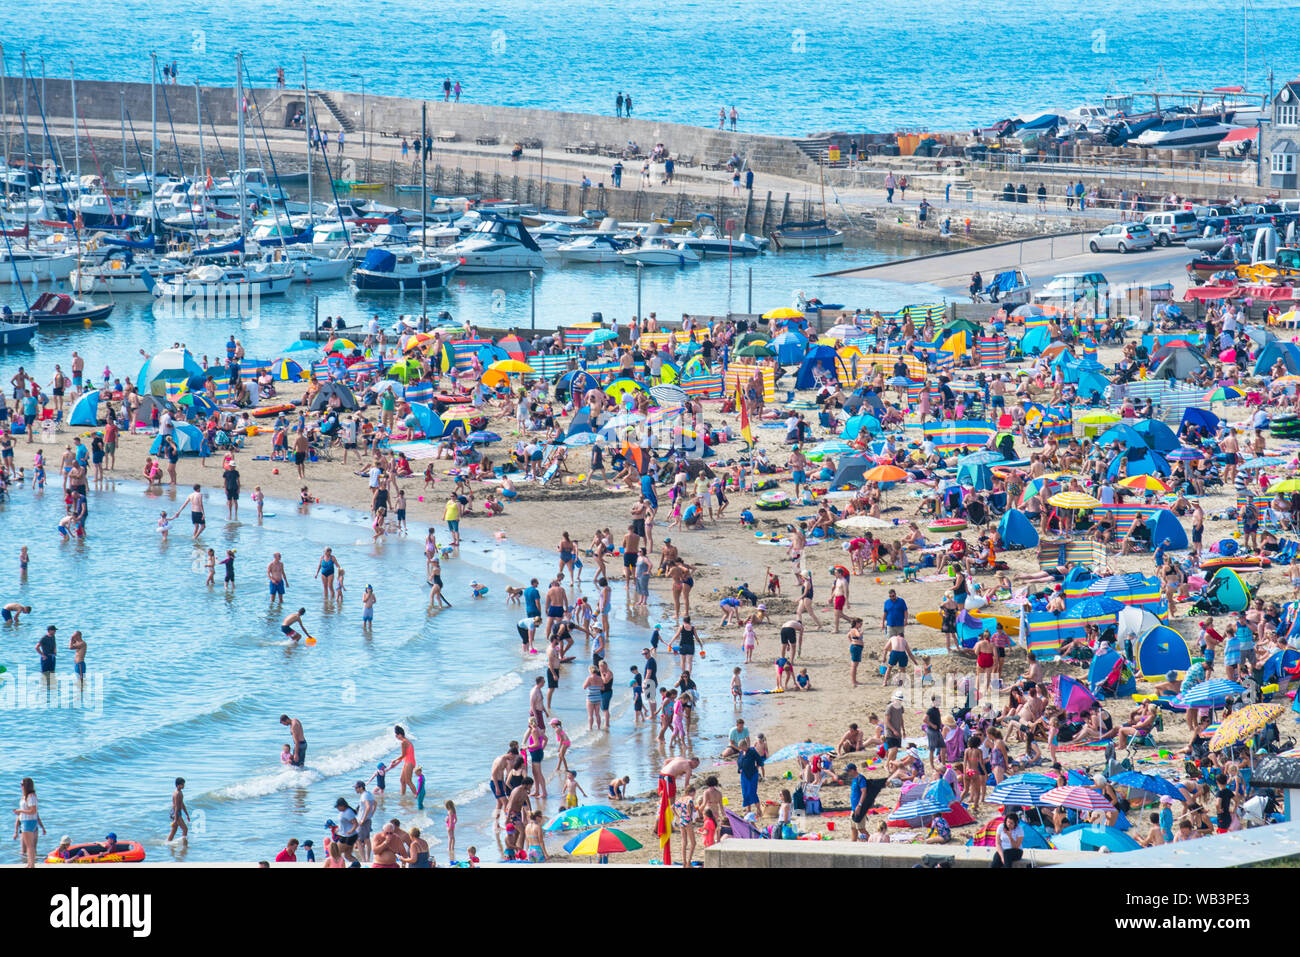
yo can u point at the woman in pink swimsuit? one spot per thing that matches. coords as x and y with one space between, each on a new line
406 758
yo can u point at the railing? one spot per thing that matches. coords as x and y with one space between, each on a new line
1241 172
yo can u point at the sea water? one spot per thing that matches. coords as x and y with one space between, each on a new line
787 67
189 680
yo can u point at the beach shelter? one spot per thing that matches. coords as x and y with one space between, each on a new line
857 423
430 424
1101 667
851 471
581 422
1288 352
968 326
188 439
1178 362
286 370
1156 434
987 836
829 361
1120 432
1279 664
1016 531
1203 419
490 354
976 475
1035 340
1160 651
1230 590
347 402
1165 526
1070 695
1134 620
1090 837
86 411
1140 461
790 347
621 386
578 383
175 361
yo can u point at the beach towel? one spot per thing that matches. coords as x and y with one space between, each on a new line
664 820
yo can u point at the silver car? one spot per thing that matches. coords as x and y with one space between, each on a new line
1122 237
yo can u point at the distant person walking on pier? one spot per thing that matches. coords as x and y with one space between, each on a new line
902 188
645 178
722 117
1042 197
340 141
947 193
922 213
749 180
616 172
627 105
618 105
670 167
1078 194
1069 195
890 184
734 117
446 89
456 91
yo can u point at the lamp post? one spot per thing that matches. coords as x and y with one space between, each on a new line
532 300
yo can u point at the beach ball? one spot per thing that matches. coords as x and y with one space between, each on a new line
275 471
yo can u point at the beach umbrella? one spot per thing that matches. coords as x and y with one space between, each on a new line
343 344
303 345
483 437
1028 309
1213 693
804 749
1264 462
1078 798
1021 794
1244 724
603 840
1184 455
1151 783
511 367
1286 485
513 345
582 438
842 331
832 447
416 341
1096 605
1145 483
1035 779
756 350
885 473
584 817
785 312
1224 393
1116 584
286 370
1073 500
915 810
598 337
668 394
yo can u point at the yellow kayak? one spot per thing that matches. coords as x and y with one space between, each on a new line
933 619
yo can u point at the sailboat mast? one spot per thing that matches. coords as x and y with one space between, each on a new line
153 140
424 184
306 122
198 118
121 98
76 137
4 102
239 111
27 161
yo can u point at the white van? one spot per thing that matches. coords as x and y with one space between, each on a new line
1177 226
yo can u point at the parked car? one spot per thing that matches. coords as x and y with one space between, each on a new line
1177 226
1071 286
1122 237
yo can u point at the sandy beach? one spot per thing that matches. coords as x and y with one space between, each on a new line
725 555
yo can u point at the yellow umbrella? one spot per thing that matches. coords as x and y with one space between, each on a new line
1073 500
1244 723
1099 418
829 341
417 340
785 312
1147 483
849 352
1286 380
510 366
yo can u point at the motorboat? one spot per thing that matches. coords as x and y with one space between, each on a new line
61 309
15 333
496 245
811 235
551 236
709 242
401 270
120 273
660 251
304 265
100 209
1188 133
24 264
333 235
592 248
211 280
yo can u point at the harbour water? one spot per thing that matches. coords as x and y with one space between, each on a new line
165 697
948 65
564 295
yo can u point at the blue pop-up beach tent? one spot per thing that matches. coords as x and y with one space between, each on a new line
857 423
1016 530
1141 461
830 361
1160 651
1156 434
188 439
86 411
1100 669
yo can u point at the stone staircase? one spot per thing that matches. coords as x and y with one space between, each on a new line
340 116
817 149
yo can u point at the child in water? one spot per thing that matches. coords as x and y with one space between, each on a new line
378 777
368 606
163 524
571 789
419 788
211 563
451 830
259 499
737 691
286 755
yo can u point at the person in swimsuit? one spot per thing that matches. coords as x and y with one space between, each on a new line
417 854
985 659
407 759
287 629
325 570
299 740
535 839
535 745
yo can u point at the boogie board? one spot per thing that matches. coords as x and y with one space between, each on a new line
933 619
